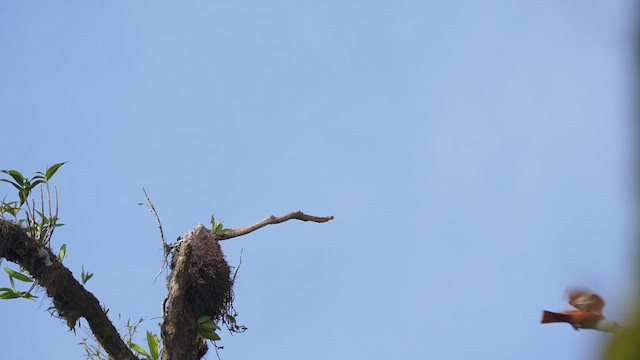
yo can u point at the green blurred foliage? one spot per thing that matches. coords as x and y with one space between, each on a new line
625 345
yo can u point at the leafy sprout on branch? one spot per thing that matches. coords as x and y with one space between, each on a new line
39 221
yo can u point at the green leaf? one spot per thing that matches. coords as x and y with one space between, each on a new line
26 185
209 335
11 208
12 294
51 170
23 196
35 183
231 319
40 214
85 276
16 175
203 319
18 275
62 253
12 183
209 326
9 294
137 348
154 344
27 295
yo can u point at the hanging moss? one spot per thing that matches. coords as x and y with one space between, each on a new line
210 291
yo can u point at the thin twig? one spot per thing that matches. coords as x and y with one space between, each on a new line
233 279
49 202
55 216
165 248
215 346
155 213
43 228
270 220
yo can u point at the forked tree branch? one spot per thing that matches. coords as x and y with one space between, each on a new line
270 220
73 301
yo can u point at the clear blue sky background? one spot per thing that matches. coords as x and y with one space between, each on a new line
476 156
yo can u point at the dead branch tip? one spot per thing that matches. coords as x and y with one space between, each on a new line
272 219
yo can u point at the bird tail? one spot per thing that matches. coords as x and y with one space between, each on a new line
552 317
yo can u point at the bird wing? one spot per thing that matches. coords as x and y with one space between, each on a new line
586 301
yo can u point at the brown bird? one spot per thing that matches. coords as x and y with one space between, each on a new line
586 315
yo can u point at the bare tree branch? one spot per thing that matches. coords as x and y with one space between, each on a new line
270 220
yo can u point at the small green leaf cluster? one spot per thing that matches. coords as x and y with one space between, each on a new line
207 328
92 350
25 185
39 223
85 276
218 227
153 342
12 293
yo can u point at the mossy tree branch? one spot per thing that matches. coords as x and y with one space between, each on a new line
70 298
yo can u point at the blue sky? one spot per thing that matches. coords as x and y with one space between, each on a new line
476 156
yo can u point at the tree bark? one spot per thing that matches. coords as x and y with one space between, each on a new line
180 326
